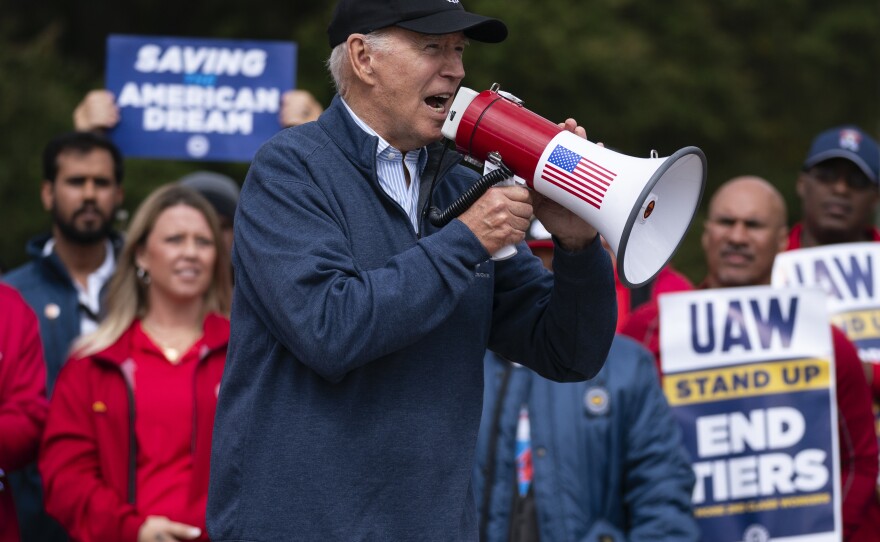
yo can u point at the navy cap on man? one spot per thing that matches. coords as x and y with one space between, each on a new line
838 187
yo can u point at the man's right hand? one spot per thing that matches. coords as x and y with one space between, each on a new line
162 529
97 111
500 217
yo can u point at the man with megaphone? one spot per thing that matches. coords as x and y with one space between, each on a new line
352 394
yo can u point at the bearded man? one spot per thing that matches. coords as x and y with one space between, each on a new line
69 267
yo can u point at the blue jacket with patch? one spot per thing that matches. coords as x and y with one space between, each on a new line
353 388
607 454
44 281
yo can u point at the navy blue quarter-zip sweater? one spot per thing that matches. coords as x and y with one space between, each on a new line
353 388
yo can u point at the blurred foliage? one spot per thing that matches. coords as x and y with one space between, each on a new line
749 82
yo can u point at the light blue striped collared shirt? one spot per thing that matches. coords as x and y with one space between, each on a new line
391 177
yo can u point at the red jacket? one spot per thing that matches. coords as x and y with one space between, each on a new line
89 450
855 418
22 397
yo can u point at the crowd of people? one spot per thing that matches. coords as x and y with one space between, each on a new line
382 379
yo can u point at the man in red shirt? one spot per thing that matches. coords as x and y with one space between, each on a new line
745 229
838 187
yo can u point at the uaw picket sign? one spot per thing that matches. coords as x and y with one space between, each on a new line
849 273
197 99
749 375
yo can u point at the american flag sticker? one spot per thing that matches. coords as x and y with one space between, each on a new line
578 176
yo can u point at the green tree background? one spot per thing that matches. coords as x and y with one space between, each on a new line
749 82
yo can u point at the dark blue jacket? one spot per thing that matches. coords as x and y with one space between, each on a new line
353 388
43 282
607 453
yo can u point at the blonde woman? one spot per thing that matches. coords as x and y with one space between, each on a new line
127 442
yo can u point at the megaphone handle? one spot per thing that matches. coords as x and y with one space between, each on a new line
494 174
441 218
504 253
508 251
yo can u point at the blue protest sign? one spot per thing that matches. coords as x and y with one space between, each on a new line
197 99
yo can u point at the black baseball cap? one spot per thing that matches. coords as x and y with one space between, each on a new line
423 16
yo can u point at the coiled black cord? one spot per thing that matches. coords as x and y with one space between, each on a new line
472 194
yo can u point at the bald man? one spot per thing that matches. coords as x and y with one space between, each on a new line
744 230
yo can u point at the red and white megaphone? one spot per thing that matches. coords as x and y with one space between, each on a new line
641 206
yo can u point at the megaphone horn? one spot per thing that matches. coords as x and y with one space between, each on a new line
641 206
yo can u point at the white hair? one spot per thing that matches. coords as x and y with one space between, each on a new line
379 40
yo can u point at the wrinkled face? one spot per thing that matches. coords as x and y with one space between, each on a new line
83 197
838 201
415 81
741 237
179 255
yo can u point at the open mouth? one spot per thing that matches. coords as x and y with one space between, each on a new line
438 102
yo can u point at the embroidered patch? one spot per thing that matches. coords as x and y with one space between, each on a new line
596 401
99 406
850 139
